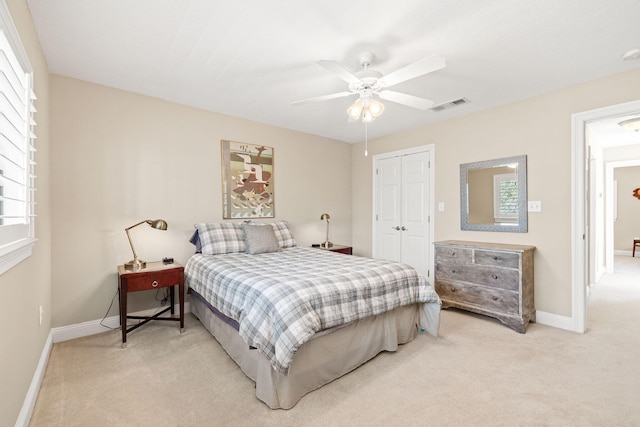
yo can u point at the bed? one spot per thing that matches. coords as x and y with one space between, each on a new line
296 318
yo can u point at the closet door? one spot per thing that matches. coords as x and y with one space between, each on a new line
389 209
415 211
402 210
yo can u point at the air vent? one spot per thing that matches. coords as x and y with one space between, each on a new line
451 104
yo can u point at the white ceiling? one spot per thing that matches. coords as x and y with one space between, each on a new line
253 58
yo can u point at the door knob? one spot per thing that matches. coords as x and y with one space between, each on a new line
403 228
397 227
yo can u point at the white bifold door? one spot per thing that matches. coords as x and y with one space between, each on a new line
402 210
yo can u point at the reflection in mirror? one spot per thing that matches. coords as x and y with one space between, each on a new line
493 195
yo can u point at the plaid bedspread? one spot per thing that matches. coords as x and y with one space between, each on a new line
281 299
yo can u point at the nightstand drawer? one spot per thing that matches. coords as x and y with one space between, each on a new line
154 280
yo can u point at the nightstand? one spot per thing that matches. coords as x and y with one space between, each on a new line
347 250
155 275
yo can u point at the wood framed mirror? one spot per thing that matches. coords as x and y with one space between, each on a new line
493 195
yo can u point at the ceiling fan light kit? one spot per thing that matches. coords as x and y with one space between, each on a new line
369 83
366 108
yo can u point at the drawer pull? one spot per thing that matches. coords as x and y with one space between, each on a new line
495 258
154 283
495 298
493 276
453 271
453 289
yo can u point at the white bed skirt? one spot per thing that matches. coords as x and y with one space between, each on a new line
319 361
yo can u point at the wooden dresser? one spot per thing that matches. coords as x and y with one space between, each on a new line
487 278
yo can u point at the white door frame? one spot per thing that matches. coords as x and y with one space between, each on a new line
431 149
579 278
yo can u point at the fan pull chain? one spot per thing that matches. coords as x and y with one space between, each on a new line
366 141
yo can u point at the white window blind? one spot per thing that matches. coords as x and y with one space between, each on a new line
17 138
505 198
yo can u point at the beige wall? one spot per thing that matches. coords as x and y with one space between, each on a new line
627 226
27 286
539 127
121 158
118 158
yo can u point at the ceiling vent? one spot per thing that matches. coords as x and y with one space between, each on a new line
451 104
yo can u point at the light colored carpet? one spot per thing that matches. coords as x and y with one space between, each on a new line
476 373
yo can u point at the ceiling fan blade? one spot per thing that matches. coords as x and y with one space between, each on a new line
403 98
417 69
340 71
322 98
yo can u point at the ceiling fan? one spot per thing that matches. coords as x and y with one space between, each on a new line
369 83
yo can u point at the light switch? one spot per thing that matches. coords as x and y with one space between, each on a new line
441 207
535 206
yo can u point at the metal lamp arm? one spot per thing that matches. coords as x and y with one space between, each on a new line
135 225
327 239
130 241
129 237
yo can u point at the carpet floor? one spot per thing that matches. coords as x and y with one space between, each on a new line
476 373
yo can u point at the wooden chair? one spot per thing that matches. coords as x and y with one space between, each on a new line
636 242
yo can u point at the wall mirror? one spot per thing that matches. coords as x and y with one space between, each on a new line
493 195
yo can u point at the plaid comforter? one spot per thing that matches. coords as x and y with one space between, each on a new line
281 299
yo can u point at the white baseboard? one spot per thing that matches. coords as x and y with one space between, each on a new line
32 394
555 320
79 330
620 252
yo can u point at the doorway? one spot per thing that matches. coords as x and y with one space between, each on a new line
582 199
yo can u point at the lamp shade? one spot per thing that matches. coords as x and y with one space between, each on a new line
159 224
376 107
355 110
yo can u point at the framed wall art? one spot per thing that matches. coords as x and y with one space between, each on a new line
247 180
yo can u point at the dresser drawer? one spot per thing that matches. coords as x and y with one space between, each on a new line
481 296
499 259
501 278
454 255
154 280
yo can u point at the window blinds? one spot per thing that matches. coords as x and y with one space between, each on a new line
17 137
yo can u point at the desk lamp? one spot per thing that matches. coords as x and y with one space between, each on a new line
135 263
326 243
